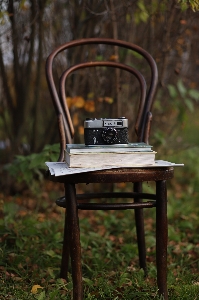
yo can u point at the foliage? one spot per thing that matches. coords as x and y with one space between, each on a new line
176 118
30 169
180 92
188 184
192 3
184 100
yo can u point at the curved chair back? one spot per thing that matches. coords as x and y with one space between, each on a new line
144 116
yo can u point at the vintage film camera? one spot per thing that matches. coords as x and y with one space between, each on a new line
106 131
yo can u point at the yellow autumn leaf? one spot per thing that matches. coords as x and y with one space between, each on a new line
35 288
69 101
90 95
81 130
108 100
121 185
89 106
75 119
23 5
113 57
78 102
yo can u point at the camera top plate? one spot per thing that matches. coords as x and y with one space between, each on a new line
101 123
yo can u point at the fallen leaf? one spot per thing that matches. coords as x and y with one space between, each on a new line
35 288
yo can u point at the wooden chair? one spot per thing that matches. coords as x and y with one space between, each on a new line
158 200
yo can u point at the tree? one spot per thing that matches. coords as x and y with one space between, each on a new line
21 62
31 29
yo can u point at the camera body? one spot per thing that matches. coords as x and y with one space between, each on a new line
106 131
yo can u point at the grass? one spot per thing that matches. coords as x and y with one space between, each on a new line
31 230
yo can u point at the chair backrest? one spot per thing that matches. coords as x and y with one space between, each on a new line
144 116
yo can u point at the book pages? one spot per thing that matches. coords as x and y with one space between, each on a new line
61 168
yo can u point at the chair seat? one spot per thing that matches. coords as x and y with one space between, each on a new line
118 175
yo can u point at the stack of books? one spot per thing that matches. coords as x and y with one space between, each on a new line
120 155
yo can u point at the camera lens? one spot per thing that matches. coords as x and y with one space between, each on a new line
109 135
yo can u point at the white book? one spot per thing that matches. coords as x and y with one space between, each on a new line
95 159
118 148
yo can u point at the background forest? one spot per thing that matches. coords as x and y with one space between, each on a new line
29 31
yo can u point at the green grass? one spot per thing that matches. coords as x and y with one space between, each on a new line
31 233
31 254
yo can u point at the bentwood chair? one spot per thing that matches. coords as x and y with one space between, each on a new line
159 175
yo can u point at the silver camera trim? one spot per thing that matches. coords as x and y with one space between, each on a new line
102 123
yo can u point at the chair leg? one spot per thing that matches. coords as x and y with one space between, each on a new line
161 237
65 252
74 240
139 221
